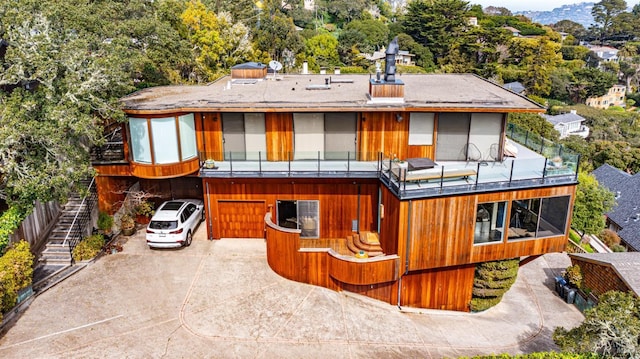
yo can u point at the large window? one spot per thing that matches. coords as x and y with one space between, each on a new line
302 215
140 144
538 217
171 139
244 136
165 140
490 222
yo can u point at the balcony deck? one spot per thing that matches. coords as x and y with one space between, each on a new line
529 169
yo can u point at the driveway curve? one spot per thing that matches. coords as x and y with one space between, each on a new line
220 299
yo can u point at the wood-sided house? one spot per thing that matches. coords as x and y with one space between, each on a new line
393 187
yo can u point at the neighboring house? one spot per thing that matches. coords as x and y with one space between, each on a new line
624 218
473 21
603 272
403 57
393 187
616 96
605 53
515 32
568 124
516 87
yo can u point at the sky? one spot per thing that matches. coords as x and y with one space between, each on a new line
537 5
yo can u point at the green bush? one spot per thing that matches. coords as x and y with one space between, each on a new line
16 273
492 280
105 221
88 248
574 276
9 221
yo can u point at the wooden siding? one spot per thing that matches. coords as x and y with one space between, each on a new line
421 151
386 89
209 136
249 73
165 171
446 288
241 219
323 268
338 200
392 229
111 192
121 169
435 242
359 272
381 132
279 133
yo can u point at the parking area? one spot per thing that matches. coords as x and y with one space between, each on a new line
220 299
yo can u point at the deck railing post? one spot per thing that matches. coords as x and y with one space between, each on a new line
230 163
260 162
511 173
289 161
318 163
577 167
441 178
477 175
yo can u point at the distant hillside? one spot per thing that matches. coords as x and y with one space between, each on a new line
580 13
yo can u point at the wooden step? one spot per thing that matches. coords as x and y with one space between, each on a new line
358 241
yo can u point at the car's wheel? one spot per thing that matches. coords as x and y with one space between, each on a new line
187 243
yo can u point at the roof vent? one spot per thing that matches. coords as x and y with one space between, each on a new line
617 194
636 218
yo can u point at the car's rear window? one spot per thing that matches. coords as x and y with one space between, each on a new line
171 206
163 224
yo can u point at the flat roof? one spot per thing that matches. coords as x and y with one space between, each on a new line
345 92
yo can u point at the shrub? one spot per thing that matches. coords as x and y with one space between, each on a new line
492 280
88 248
16 273
618 248
105 221
9 221
610 238
574 276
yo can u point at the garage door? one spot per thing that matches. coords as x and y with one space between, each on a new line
242 219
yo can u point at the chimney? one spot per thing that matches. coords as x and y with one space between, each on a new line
574 112
388 90
305 68
390 61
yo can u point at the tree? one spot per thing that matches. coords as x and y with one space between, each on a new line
322 51
570 27
604 14
218 43
376 34
590 82
591 203
538 56
423 57
534 123
436 24
611 329
277 36
56 93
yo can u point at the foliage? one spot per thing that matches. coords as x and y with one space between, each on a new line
492 280
574 276
277 37
88 248
376 34
144 208
322 51
9 221
105 221
538 56
218 43
534 123
591 203
435 24
618 248
539 355
16 273
127 222
609 238
604 15
611 329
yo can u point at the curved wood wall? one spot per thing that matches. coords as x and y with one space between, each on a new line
374 277
165 171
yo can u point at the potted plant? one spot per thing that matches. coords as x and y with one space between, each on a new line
210 164
144 211
127 225
105 223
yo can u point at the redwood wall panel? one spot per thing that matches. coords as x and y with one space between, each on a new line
338 200
209 129
442 229
444 288
279 133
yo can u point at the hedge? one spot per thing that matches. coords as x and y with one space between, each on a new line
16 273
88 248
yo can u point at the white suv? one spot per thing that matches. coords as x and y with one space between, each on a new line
174 223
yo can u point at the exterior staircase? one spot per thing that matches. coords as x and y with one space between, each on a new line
73 224
364 244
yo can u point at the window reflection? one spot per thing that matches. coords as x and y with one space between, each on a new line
490 222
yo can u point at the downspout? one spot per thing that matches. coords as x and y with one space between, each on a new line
209 212
358 217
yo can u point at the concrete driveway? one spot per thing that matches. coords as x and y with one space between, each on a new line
220 299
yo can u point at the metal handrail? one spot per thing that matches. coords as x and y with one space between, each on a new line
82 215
